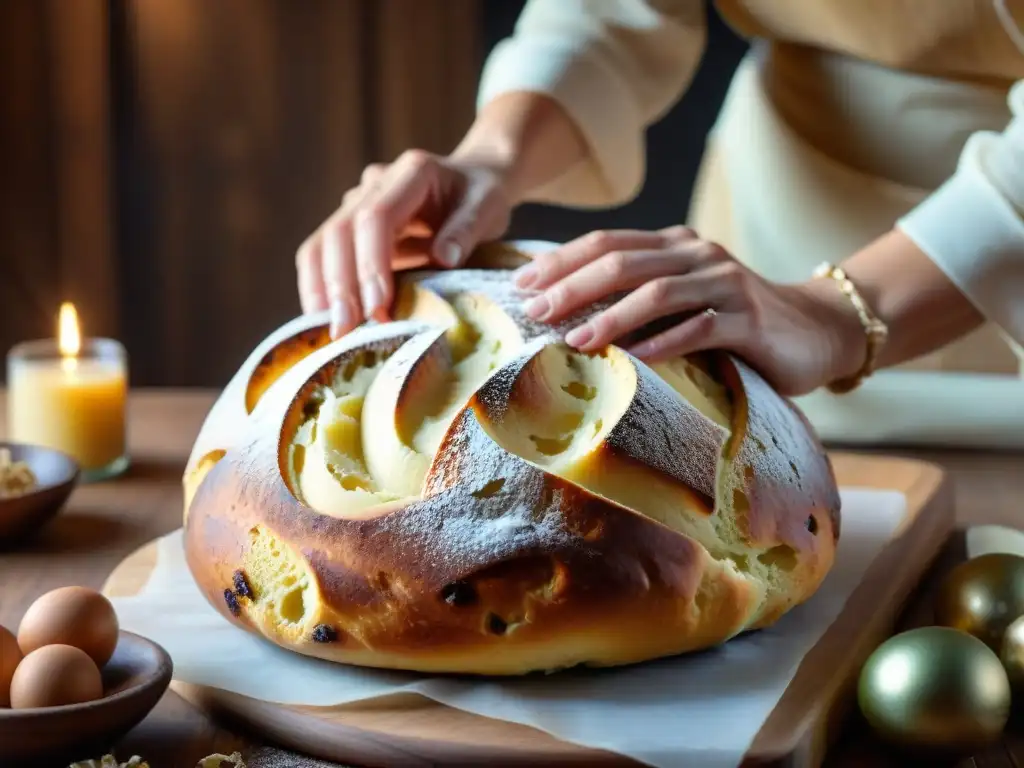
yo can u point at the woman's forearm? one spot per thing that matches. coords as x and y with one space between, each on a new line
528 137
921 306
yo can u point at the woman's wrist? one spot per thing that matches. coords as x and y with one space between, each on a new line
909 294
844 340
922 307
527 139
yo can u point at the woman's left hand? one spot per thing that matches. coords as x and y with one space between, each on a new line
799 337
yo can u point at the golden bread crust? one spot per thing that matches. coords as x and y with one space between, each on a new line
458 491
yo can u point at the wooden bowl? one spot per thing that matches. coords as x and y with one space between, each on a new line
134 680
57 475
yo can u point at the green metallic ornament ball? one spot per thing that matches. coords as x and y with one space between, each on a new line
935 688
983 596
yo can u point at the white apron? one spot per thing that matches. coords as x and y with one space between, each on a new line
782 206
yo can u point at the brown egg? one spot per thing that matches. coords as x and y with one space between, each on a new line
74 616
10 655
54 676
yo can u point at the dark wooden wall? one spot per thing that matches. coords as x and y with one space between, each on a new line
55 213
163 159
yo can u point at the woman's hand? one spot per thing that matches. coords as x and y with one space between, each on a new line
439 205
799 337
421 203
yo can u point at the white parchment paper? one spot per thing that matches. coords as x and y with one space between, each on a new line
701 711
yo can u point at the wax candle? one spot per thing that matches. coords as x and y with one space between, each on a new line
70 394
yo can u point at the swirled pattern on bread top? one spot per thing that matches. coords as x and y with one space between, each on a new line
459 491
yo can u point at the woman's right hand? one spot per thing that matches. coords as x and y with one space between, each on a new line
424 203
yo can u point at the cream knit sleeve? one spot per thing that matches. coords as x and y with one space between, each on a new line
615 66
972 227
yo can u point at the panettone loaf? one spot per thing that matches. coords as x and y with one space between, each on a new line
459 491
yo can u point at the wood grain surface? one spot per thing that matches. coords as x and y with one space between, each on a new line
163 160
104 523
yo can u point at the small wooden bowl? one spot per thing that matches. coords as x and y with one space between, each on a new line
134 680
57 475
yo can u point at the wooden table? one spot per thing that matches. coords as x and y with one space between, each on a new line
104 523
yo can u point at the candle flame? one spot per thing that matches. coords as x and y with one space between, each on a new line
69 338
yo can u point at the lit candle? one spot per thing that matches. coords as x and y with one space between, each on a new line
70 395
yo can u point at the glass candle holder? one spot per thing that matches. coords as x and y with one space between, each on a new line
72 403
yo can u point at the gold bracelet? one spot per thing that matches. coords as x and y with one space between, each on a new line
876 331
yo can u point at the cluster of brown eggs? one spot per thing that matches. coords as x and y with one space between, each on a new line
64 640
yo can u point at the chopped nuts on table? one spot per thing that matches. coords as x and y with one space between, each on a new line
16 477
233 760
109 761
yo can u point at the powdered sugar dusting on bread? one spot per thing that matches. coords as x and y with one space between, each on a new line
405 358
662 430
481 505
497 285
584 538
493 396
260 440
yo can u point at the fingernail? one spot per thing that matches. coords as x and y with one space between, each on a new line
451 254
525 276
373 295
340 317
577 337
538 307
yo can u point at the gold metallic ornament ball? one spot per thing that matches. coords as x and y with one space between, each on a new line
983 596
935 688
1012 654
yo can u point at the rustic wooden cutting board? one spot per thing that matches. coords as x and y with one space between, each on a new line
411 730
